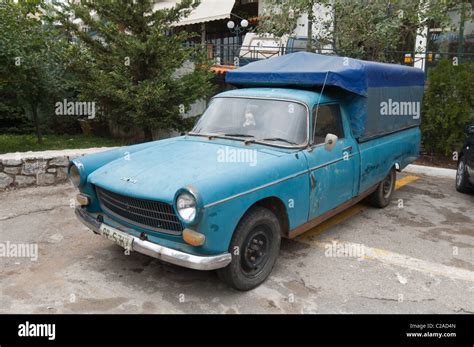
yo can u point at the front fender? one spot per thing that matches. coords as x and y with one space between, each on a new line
221 218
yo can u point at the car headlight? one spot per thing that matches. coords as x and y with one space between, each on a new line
74 175
187 207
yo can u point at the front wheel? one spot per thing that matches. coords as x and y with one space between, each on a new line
382 196
254 248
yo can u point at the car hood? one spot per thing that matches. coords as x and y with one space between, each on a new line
159 171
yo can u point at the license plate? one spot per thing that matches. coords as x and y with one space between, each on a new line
119 237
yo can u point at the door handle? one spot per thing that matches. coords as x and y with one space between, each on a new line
347 149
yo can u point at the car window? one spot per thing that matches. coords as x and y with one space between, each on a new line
300 44
328 121
275 121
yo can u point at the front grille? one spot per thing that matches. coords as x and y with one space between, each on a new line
147 214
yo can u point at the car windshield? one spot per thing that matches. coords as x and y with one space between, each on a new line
260 120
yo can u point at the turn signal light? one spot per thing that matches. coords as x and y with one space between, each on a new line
193 238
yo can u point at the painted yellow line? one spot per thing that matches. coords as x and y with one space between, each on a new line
404 181
350 212
337 219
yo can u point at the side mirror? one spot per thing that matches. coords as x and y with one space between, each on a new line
470 129
330 142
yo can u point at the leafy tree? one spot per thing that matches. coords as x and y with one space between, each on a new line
448 107
31 54
12 116
365 29
130 61
282 15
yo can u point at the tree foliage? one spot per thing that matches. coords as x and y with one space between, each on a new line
365 29
130 60
31 60
387 28
448 107
281 16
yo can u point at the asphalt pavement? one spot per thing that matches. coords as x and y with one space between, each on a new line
415 256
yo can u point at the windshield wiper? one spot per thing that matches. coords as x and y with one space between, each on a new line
210 136
249 138
278 139
198 134
239 135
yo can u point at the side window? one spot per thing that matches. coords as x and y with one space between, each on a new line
327 121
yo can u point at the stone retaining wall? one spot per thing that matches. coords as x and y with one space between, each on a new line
19 170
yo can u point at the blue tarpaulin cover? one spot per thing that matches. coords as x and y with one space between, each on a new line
309 70
373 83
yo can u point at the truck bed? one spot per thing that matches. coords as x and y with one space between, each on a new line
378 155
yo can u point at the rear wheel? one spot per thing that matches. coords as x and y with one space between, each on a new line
383 194
254 248
462 184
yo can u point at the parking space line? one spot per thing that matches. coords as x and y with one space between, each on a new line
382 255
405 180
350 212
404 261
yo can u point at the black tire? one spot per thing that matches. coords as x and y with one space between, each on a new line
462 184
254 248
384 192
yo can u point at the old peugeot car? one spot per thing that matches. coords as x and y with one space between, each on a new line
303 137
465 171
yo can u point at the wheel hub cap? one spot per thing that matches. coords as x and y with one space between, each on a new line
256 252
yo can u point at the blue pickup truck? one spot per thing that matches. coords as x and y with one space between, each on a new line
300 138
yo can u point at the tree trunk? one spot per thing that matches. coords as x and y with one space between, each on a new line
34 109
148 134
309 43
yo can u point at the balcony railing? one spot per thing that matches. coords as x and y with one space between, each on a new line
241 55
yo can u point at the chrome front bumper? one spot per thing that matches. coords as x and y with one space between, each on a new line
166 254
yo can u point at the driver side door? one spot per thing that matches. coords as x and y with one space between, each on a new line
333 173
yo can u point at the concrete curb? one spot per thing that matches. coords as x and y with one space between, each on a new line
70 153
431 171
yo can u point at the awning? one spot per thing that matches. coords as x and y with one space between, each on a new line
208 10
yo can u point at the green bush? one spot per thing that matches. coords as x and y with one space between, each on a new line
13 121
448 106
